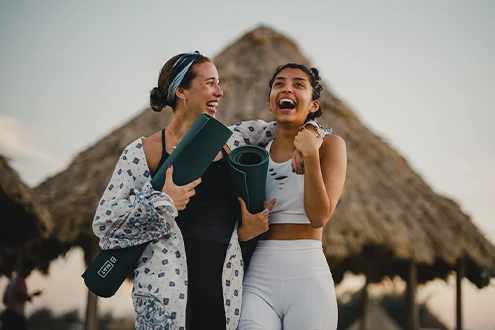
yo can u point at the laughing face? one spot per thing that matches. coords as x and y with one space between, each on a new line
205 92
291 97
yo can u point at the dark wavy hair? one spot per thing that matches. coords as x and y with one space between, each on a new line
314 79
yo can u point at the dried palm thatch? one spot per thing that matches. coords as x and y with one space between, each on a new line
22 219
387 217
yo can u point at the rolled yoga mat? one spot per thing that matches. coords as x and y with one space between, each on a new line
249 166
192 156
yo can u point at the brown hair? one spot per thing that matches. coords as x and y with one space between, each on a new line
158 95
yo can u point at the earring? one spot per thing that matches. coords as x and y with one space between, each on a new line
184 102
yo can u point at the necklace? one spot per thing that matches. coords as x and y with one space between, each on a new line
173 135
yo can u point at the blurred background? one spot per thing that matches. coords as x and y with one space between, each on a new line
418 74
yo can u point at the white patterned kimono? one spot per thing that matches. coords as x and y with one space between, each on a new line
131 213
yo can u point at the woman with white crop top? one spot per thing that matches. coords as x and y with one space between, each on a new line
288 284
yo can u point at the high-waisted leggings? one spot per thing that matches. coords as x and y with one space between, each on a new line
288 286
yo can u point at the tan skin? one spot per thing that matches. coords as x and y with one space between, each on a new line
202 97
325 159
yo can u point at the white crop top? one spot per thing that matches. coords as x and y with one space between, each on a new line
288 188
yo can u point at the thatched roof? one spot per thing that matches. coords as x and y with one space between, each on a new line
387 216
22 219
377 318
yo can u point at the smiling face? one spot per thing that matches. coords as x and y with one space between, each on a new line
204 93
291 97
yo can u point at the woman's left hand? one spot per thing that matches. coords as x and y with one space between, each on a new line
308 143
253 224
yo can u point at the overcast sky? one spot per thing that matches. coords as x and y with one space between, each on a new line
420 74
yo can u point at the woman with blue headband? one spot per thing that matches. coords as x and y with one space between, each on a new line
190 275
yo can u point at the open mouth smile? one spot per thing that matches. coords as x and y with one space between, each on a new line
212 106
286 104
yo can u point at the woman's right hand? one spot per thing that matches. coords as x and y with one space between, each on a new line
180 195
253 224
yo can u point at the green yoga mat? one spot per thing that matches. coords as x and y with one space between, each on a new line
192 156
249 166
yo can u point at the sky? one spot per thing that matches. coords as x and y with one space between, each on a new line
420 74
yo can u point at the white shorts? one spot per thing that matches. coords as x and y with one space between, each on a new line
288 286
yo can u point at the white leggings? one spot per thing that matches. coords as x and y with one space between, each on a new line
288 286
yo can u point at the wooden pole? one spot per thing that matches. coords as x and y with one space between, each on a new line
460 275
364 306
91 312
412 308
91 322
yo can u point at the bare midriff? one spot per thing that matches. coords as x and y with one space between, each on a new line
292 231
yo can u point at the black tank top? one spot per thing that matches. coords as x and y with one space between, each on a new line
211 213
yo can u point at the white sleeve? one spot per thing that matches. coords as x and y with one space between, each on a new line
259 132
256 132
130 211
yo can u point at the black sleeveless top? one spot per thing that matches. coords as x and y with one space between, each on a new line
212 212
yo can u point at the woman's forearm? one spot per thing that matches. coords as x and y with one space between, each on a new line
316 202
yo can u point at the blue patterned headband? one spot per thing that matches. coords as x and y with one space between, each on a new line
179 70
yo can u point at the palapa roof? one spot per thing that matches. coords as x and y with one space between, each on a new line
22 219
387 216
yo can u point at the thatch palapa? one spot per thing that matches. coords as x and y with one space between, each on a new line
22 219
387 217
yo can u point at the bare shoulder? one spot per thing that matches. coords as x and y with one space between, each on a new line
152 148
152 142
333 144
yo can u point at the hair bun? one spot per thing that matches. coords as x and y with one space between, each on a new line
157 100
